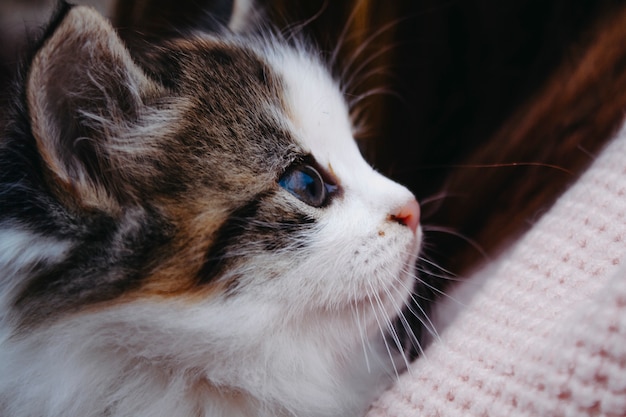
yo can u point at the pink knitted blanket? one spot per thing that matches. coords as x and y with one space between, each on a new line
541 331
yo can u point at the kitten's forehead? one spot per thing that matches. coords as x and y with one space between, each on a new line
316 108
295 104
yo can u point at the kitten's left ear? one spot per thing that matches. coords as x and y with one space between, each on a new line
85 94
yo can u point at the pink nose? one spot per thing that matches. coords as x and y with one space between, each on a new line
408 215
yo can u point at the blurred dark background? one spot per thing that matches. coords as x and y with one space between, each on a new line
454 88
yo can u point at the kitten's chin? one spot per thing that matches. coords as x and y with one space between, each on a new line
383 303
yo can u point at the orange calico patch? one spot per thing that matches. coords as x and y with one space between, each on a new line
176 273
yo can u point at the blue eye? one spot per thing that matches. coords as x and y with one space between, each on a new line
306 183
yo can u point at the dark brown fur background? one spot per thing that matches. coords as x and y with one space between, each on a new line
493 107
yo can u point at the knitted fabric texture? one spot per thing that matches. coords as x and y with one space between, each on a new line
541 331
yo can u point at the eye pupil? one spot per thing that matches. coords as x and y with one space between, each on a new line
306 184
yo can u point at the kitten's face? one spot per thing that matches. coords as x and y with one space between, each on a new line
307 224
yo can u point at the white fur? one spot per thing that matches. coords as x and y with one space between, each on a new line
307 343
20 251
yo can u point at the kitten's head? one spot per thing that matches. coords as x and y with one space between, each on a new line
209 183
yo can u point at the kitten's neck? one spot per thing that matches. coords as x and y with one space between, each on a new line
301 379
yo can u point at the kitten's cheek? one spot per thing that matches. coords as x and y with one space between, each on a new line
408 215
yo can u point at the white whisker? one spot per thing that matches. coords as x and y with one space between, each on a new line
436 290
362 334
380 327
392 329
356 73
423 317
415 343
380 91
450 275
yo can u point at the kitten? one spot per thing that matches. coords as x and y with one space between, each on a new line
191 231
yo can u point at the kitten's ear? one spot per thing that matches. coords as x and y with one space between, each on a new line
243 15
83 89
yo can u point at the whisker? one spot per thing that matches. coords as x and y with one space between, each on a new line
491 165
348 65
362 335
592 156
293 29
449 274
341 40
355 74
408 330
438 198
379 91
474 244
440 276
442 273
423 317
435 290
382 332
343 37
363 79
392 330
